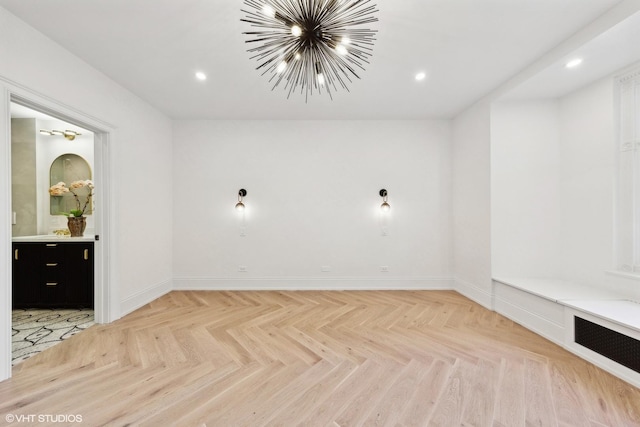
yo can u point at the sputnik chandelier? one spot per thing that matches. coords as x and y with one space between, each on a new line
310 45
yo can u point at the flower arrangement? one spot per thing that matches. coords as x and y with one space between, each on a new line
75 188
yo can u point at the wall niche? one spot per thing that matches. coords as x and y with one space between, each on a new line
68 168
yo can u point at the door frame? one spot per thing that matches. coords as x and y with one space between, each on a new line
106 306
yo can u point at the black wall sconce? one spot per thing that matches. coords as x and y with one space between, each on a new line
385 206
240 206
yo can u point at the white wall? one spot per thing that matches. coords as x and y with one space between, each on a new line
525 190
312 201
587 178
471 201
139 152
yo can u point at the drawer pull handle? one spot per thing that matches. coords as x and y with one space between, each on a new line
52 283
52 245
86 254
15 254
53 264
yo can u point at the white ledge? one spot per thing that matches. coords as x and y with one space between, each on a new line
557 290
597 302
625 274
623 312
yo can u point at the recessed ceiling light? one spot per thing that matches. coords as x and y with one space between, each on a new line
201 76
421 76
573 63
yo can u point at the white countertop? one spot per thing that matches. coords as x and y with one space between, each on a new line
52 238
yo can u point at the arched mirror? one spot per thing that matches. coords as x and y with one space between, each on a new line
69 168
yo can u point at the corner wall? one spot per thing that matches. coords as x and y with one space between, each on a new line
471 211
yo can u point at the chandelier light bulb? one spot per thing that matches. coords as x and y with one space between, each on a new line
281 67
321 79
296 31
269 11
341 50
345 40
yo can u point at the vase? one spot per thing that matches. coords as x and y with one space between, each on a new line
76 225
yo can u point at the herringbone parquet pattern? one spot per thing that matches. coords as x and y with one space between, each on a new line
392 358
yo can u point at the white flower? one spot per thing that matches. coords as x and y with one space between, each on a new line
60 188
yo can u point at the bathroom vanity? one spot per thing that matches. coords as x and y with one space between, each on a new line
53 272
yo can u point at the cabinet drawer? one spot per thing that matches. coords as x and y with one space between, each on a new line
53 274
52 253
53 293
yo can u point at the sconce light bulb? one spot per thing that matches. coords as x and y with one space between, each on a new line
385 207
240 206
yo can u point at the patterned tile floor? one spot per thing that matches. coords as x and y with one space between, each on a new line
35 330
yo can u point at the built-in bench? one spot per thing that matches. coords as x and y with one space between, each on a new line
592 323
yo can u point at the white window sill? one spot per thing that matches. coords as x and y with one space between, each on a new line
625 274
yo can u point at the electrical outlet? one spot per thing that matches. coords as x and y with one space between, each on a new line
384 268
243 268
325 268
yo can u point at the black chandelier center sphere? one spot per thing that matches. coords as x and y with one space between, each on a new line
310 45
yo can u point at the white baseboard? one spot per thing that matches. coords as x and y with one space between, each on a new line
145 296
312 283
474 293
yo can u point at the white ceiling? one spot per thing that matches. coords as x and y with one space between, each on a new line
153 48
608 53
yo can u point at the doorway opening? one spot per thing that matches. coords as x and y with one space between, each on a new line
61 146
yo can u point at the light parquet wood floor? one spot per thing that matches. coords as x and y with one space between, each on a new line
311 358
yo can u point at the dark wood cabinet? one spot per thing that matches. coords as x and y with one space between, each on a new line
53 275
